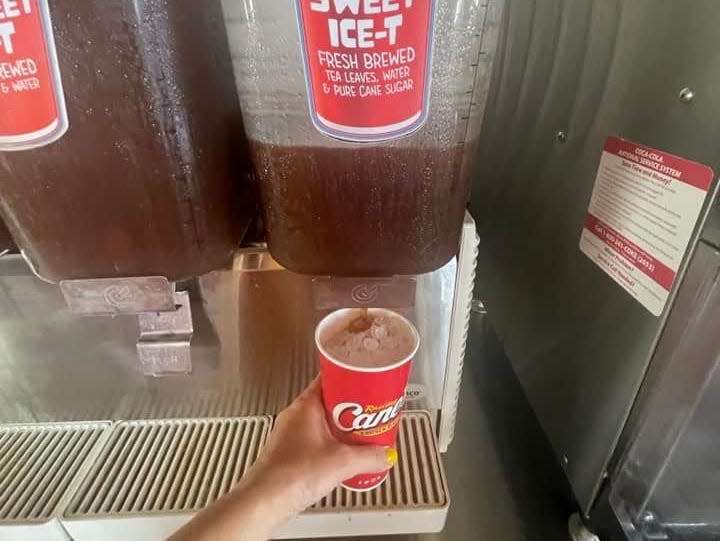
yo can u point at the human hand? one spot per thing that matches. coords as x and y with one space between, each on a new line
301 462
304 458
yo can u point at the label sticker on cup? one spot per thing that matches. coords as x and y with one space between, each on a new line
367 65
31 95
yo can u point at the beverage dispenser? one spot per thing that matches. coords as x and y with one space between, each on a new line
361 120
120 138
362 116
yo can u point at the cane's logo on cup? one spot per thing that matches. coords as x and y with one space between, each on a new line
367 420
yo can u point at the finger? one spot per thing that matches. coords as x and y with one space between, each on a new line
313 388
369 458
315 385
312 391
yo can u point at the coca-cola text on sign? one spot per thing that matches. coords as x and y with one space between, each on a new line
31 96
367 65
643 210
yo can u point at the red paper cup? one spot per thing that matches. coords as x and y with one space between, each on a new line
363 405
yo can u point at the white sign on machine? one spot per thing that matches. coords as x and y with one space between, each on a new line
643 210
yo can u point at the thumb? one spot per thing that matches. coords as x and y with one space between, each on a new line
370 458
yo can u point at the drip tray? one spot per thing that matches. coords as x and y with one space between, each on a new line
38 466
414 498
152 476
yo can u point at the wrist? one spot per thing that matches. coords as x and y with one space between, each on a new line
275 488
255 509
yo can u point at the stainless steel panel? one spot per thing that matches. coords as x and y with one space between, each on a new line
570 73
252 348
668 481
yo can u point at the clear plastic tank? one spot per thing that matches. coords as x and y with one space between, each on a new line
6 242
132 164
362 115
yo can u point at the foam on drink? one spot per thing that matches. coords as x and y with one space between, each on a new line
369 340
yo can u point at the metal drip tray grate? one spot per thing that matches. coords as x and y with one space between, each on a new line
416 481
152 476
414 498
168 466
38 464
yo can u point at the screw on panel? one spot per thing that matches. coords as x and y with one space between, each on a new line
565 460
647 517
686 95
561 136
478 307
578 531
650 526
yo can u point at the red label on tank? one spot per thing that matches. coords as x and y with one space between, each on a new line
32 107
367 65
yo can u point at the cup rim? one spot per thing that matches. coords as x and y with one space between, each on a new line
337 313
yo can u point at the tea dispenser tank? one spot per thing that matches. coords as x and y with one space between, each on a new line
118 139
362 117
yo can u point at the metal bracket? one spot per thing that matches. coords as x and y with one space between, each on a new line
164 344
165 318
332 292
115 296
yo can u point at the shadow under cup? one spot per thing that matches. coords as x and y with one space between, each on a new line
363 404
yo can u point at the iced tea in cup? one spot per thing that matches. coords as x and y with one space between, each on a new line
365 360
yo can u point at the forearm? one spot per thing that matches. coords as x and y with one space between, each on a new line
252 511
300 463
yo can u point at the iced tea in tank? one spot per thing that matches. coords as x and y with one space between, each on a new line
361 118
121 147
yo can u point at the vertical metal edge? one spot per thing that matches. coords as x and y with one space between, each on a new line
489 43
696 299
459 324
620 445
